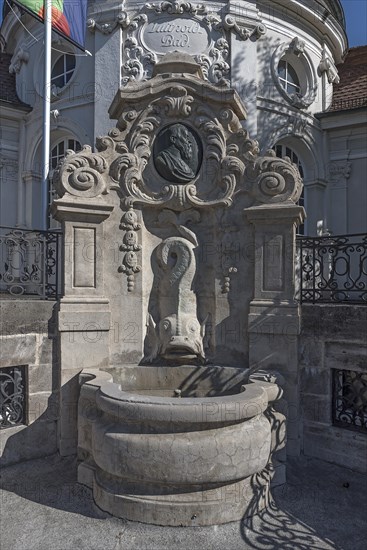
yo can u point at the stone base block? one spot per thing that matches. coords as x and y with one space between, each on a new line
181 505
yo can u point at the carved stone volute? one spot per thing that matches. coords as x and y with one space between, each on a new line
274 180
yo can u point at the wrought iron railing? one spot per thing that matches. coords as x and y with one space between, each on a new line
332 269
349 403
12 396
30 262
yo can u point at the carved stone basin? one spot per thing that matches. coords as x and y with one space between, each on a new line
180 445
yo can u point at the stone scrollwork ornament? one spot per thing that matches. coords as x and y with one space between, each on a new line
82 174
328 66
216 159
122 20
274 180
176 103
138 62
163 27
175 7
179 144
214 65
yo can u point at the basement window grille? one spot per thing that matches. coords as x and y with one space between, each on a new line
12 396
350 399
333 269
30 262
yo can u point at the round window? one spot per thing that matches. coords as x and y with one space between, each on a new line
62 71
294 74
288 77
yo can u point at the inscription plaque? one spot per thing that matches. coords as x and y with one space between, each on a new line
181 33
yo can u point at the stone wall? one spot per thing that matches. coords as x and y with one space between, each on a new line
332 337
27 338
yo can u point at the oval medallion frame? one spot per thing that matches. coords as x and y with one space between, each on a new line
177 153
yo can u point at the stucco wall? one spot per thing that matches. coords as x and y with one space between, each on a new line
332 337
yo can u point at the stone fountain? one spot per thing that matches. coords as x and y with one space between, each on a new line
179 305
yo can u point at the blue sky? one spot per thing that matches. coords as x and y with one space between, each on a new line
356 16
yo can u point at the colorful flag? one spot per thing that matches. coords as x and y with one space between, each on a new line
68 17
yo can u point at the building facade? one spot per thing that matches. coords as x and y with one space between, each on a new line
281 57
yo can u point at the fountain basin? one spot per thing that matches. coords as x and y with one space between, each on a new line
180 445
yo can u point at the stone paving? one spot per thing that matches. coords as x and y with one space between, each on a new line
322 506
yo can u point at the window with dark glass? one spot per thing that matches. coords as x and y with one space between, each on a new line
62 70
59 150
57 154
288 77
282 151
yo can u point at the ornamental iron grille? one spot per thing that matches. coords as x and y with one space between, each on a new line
30 262
350 399
12 396
333 269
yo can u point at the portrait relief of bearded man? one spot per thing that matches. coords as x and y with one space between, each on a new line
177 159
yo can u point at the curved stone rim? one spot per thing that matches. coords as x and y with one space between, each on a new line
123 404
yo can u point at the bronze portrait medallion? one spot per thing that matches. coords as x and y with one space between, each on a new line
177 153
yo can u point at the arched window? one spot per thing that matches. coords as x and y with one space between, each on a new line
58 152
282 151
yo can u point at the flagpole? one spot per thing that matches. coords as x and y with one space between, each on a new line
47 7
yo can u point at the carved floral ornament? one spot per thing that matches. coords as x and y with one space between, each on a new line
339 171
124 159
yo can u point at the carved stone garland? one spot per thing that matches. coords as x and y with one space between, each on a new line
130 246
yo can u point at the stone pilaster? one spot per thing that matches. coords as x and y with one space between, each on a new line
84 312
274 316
339 171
